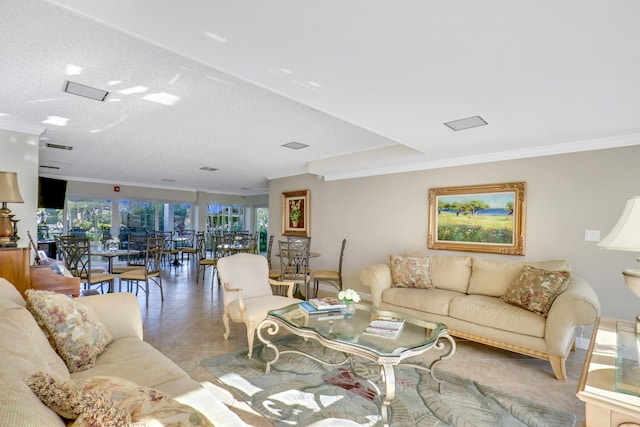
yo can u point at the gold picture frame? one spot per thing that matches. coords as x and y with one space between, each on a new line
478 218
295 213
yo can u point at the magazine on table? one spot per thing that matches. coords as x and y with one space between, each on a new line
327 303
385 327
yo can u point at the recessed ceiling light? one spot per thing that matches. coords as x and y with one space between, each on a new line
162 98
215 37
59 147
133 90
295 145
85 91
49 167
467 123
56 121
209 169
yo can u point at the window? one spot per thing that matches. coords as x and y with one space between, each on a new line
87 217
222 218
50 224
136 217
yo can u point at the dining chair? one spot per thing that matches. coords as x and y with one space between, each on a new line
247 295
137 245
273 273
203 261
294 263
188 246
151 271
169 252
332 277
76 253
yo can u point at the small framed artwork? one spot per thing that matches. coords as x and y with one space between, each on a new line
478 218
295 213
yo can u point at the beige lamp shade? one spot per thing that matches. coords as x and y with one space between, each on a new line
9 191
625 235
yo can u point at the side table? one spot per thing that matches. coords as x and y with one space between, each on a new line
604 406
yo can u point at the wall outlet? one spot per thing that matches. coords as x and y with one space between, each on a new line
592 235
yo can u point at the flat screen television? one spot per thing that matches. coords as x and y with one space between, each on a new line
51 193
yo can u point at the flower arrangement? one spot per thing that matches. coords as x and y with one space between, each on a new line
348 296
113 243
295 212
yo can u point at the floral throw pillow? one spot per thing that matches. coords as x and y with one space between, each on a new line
104 401
64 398
73 329
535 289
411 272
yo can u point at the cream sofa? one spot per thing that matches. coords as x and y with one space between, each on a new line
466 298
24 350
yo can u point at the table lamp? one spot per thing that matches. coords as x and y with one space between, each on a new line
9 193
625 236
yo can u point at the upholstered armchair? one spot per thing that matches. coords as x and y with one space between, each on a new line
247 292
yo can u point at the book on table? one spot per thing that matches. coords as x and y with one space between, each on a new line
327 303
312 309
385 327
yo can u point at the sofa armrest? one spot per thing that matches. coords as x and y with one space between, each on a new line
120 313
577 305
378 278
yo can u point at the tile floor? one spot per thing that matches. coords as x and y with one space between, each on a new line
188 327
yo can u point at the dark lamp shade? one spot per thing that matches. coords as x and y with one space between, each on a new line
9 191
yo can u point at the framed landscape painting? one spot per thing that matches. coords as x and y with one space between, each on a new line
479 218
295 213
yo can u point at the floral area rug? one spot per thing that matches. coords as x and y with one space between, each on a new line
301 392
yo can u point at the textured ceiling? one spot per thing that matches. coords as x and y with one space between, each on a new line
367 84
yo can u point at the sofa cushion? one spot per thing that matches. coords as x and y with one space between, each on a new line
497 314
535 289
137 361
410 272
493 277
447 272
24 350
9 292
74 330
451 272
113 401
435 301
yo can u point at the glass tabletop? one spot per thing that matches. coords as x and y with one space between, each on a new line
416 333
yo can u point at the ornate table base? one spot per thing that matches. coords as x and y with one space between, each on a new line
387 374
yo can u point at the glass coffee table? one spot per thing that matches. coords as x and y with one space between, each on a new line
346 335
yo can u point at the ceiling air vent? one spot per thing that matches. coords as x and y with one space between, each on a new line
467 123
295 145
208 169
85 91
59 147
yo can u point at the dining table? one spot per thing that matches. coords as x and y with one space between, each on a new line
110 254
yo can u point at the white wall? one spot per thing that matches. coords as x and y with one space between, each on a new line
19 153
566 195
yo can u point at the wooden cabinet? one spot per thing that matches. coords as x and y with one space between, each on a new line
14 266
604 406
